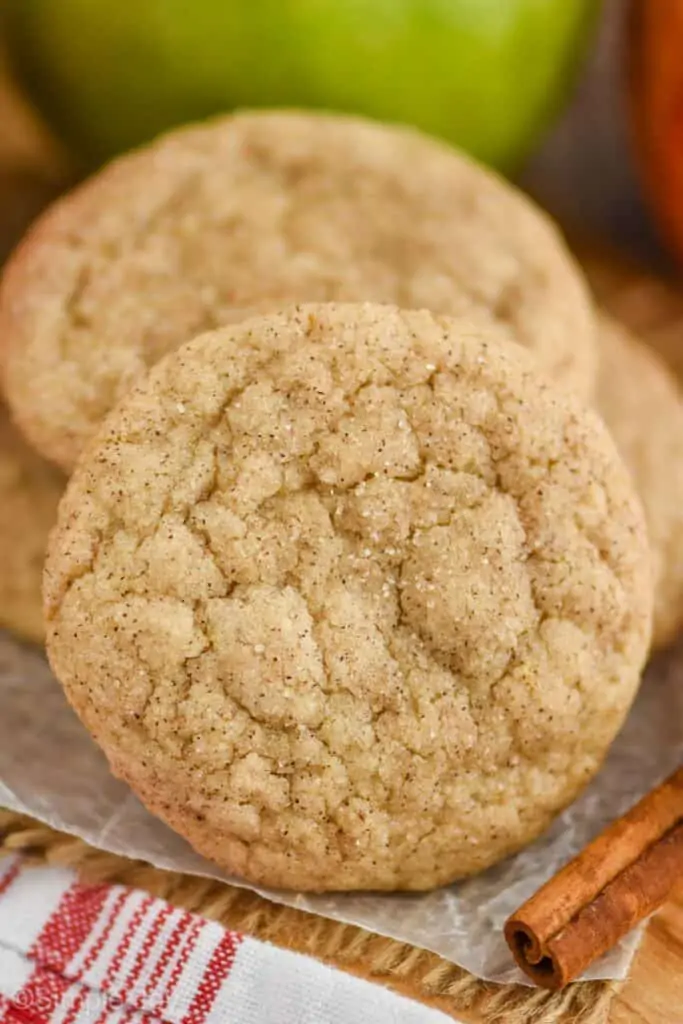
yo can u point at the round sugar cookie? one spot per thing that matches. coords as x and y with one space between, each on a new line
30 490
255 211
641 403
351 597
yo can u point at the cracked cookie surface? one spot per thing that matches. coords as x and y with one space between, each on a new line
253 212
641 403
30 490
350 596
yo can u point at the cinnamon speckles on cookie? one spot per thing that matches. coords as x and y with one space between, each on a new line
252 212
350 596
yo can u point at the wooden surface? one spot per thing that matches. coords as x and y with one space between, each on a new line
653 993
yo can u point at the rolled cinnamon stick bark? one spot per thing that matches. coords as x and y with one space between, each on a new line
620 878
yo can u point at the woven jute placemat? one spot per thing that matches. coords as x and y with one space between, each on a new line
412 972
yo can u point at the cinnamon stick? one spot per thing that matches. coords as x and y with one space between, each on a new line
620 878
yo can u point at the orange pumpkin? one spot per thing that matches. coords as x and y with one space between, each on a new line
655 55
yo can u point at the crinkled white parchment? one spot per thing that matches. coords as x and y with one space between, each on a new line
51 769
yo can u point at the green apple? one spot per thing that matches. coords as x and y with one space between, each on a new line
485 74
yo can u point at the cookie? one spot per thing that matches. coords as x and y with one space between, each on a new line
253 212
30 490
641 403
350 596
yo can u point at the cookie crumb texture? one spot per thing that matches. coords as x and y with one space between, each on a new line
642 405
249 213
350 597
30 490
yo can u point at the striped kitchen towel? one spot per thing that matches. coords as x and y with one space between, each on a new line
102 954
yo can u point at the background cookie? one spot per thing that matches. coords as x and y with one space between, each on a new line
642 405
29 492
253 212
351 597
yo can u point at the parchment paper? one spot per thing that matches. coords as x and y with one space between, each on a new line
50 769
